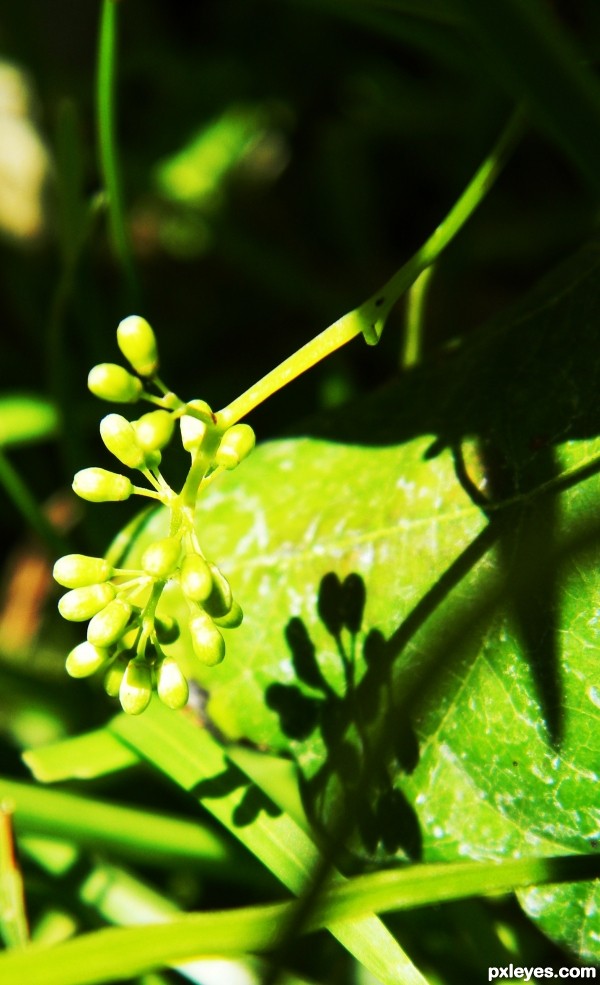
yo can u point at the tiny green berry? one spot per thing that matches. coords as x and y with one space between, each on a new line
114 383
101 486
154 430
236 444
160 559
196 578
208 644
119 437
78 570
108 625
192 428
232 619
137 342
167 629
136 687
220 600
171 685
114 675
86 659
86 602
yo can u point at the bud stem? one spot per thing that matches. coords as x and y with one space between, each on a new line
369 318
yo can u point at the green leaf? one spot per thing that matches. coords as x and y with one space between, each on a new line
25 418
195 761
79 757
419 577
131 833
105 954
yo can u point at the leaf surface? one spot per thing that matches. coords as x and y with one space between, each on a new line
419 576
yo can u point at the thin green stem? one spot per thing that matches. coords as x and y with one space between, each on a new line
370 317
412 348
461 211
28 508
343 330
109 166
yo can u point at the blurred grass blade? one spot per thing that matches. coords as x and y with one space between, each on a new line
74 209
13 919
536 61
195 761
82 757
25 418
24 501
107 140
137 834
123 953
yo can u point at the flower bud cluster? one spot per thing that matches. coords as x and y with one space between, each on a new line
125 636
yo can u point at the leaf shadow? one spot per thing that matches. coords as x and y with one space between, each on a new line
524 385
252 802
345 721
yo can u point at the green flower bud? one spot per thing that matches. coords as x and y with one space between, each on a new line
233 619
114 675
101 486
236 444
77 570
171 685
111 382
160 558
167 629
196 578
220 600
119 437
136 687
83 603
137 342
153 459
193 429
154 430
86 659
208 644
108 626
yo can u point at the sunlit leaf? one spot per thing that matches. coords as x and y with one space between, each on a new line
420 578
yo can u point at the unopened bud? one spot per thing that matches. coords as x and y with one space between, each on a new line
167 629
220 600
119 437
232 619
137 342
83 603
136 687
114 675
114 383
196 578
208 644
77 570
86 659
193 429
160 558
101 486
236 444
109 625
171 685
154 430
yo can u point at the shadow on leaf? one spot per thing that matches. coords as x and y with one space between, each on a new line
253 800
347 723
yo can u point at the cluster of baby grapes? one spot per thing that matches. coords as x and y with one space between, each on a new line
124 635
